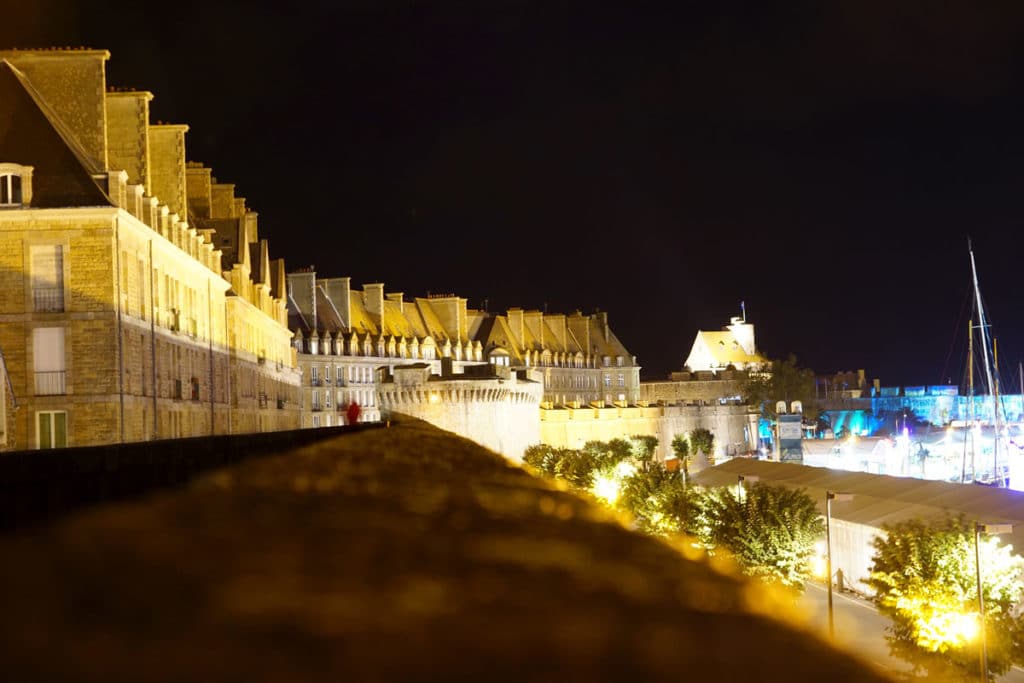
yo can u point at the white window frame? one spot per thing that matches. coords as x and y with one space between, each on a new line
36 254
24 173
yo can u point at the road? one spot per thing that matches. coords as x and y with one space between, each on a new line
861 629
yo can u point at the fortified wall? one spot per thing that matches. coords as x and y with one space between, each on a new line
695 387
490 405
734 426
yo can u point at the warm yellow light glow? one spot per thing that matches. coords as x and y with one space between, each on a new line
940 625
606 488
434 398
943 630
818 566
623 470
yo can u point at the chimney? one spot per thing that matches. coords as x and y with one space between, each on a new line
167 165
534 322
337 290
373 300
301 286
515 323
602 324
397 297
128 135
581 330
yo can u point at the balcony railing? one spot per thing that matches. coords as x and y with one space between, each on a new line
317 408
48 299
340 381
50 383
315 381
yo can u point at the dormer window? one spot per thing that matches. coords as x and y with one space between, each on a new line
10 189
15 185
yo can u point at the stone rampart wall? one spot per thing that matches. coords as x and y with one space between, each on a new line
498 414
734 427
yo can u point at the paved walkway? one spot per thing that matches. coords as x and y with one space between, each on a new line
397 554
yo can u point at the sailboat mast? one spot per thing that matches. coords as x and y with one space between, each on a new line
997 422
984 344
970 404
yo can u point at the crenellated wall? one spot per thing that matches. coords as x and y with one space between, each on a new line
497 413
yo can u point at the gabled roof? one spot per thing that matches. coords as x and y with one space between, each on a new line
360 319
31 134
394 322
434 328
724 348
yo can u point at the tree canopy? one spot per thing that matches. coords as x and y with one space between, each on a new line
925 580
770 530
786 382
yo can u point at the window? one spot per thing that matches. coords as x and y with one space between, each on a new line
10 189
607 380
51 429
47 263
48 360
622 380
316 420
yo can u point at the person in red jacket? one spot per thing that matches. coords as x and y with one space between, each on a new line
353 413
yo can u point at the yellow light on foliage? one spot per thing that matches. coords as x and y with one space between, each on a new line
943 630
940 627
606 488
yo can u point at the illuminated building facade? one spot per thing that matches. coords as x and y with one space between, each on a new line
733 347
343 335
581 360
125 316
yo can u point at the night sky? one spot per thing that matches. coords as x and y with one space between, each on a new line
823 162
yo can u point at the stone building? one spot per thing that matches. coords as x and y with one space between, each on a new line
343 335
580 359
733 347
125 314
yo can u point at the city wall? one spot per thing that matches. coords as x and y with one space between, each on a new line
734 426
497 413
693 387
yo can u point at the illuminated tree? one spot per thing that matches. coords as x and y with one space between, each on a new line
703 441
658 500
770 530
924 578
786 382
681 449
574 467
643 449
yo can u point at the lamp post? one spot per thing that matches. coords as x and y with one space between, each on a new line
991 529
829 497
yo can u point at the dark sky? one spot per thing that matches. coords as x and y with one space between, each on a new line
824 162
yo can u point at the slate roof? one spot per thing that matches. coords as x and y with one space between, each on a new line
31 134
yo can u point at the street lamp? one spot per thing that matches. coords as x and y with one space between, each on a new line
829 497
991 529
740 478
